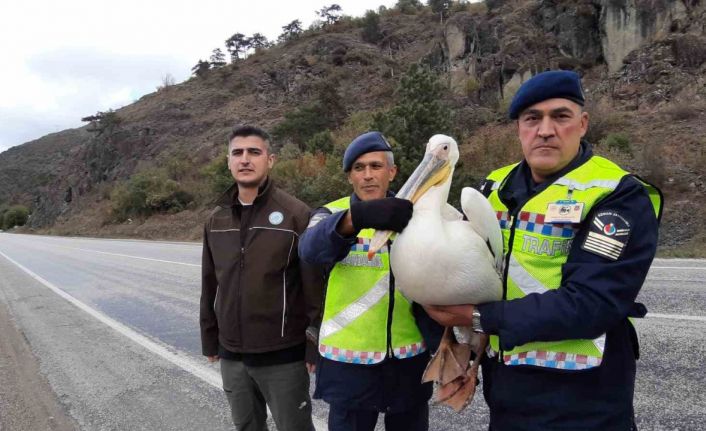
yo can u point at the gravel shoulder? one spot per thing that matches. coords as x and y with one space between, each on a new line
27 401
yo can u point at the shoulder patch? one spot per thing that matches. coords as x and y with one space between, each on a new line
608 235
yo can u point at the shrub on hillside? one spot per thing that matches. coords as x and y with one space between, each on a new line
472 85
371 27
103 122
301 124
418 114
146 193
489 148
315 179
653 162
617 141
477 8
602 121
218 176
326 111
321 142
15 215
408 6
178 166
681 110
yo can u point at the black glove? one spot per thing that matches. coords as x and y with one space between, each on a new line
383 214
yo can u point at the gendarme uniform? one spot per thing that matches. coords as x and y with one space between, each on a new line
365 319
577 250
372 351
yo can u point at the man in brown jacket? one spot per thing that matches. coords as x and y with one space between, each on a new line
257 298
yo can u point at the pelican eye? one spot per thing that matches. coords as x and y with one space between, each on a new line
446 147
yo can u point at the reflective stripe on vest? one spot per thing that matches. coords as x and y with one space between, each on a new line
355 322
539 250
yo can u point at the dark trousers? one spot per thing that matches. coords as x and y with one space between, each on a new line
342 419
284 388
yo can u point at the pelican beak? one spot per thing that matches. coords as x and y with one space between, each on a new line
434 169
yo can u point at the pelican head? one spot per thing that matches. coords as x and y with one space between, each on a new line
435 169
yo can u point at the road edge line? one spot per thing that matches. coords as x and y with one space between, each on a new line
207 375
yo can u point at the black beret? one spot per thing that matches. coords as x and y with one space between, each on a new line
365 143
562 84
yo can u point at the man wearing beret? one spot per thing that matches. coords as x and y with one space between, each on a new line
580 233
372 350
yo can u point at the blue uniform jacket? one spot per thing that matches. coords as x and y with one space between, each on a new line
390 386
596 296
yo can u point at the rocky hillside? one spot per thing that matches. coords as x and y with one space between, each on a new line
643 63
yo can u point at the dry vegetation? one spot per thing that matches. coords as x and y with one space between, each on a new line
170 144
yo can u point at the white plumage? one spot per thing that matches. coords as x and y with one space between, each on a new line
440 259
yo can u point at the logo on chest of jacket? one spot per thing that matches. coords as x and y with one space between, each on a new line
276 218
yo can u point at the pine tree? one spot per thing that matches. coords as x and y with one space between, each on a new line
201 68
408 6
441 7
325 112
103 121
236 45
218 59
418 114
330 14
258 41
290 31
371 27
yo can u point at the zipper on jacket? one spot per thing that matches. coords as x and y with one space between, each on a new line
284 286
513 217
390 308
240 293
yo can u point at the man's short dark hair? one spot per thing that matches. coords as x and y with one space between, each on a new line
245 131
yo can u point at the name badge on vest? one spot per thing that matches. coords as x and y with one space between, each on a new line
564 211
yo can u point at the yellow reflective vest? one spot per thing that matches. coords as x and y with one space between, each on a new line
535 251
363 323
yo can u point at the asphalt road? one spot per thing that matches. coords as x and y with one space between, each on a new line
114 327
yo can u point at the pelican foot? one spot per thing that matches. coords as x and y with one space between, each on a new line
459 393
465 390
449 362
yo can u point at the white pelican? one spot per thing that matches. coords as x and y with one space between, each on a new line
440 259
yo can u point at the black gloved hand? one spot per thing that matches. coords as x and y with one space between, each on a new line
383 214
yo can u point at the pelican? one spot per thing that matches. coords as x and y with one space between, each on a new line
441 259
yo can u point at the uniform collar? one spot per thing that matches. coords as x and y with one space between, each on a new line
355 198
229 198
520 186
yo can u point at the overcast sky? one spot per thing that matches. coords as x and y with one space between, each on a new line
66 59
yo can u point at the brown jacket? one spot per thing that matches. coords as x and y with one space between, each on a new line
257 296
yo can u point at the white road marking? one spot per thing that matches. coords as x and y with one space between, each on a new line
676 317
179 359
678 267
133 257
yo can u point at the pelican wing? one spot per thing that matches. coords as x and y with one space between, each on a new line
449 213
483 221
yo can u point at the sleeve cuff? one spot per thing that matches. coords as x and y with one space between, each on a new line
311 355
491 314
337 237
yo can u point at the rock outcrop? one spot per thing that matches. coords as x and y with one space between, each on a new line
637 53
488 55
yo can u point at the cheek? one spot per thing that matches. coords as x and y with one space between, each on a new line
384 177
526 136
353 179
